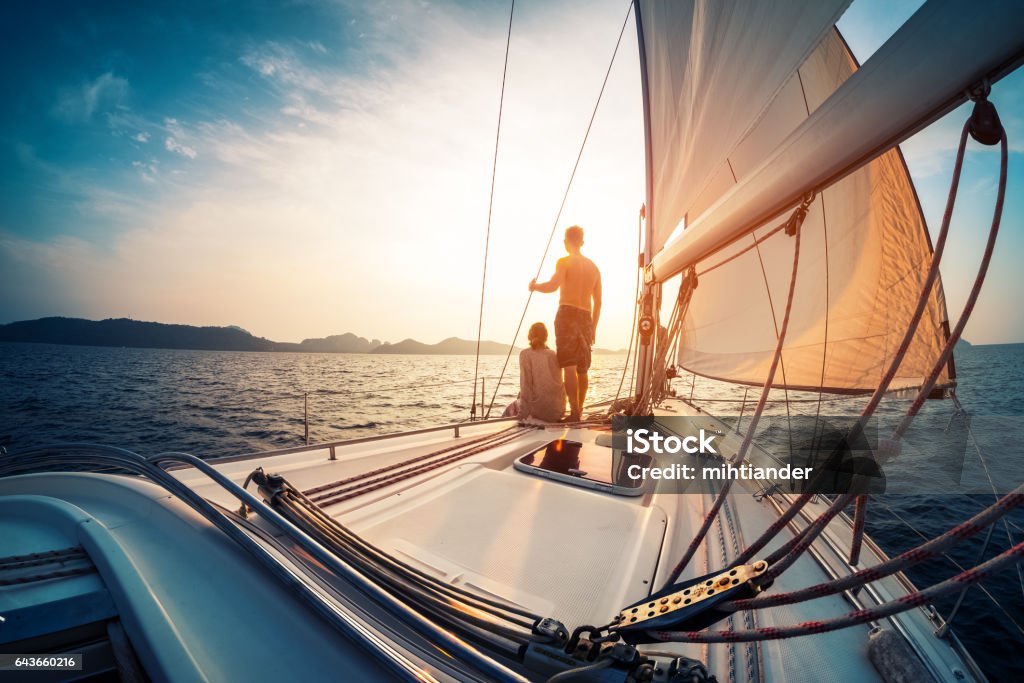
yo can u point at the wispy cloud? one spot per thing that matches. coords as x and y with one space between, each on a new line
141 137
148 170
389 160
365 167
175 141
283 65
79 104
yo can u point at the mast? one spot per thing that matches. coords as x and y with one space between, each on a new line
650 292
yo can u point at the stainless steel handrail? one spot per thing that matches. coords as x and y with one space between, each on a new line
150 467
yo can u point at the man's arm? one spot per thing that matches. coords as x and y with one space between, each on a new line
597 307
551 285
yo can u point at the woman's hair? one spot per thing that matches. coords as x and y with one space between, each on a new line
538 336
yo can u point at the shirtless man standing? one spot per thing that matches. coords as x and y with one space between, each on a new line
576 321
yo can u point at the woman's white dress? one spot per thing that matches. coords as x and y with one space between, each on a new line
541 393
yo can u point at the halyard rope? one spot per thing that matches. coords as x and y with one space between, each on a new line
387 480
782 558
344 489
388 468
901 350
972 297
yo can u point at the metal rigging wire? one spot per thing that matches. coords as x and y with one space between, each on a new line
636 308
490 211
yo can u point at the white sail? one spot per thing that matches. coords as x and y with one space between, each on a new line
713 69
864 256
865 249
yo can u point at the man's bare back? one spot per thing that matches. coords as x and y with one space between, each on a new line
580 277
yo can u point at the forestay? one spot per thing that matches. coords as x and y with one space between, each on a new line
716 115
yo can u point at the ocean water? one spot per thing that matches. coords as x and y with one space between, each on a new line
214 403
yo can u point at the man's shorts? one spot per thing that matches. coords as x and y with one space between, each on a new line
573 328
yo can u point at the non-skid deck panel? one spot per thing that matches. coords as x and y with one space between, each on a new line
573 554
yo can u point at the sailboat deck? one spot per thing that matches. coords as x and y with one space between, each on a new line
580 555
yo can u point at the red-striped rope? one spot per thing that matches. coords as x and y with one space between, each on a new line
929 280
783 558
387 480
741 454
861 616
926 551
859 516
972 297
908 336
394 466
775 528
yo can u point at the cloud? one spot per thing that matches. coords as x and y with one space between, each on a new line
375 178
148 170
78 105
284 67
141 137
174 142
173 145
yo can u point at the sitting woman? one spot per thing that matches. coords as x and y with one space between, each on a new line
541 394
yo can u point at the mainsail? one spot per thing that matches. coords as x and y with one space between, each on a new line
716 114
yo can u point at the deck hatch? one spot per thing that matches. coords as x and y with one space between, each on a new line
586 465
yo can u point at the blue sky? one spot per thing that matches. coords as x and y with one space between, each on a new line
310 168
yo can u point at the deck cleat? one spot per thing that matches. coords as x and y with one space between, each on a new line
688 605
552 631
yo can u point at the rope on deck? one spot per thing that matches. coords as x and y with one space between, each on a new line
741 454
861 616
393 473
926 551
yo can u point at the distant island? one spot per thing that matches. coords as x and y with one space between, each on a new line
152 335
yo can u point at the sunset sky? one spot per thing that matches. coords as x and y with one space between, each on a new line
317 167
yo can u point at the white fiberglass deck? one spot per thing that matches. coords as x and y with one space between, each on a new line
579 555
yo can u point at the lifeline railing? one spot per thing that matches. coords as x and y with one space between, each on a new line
305 396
